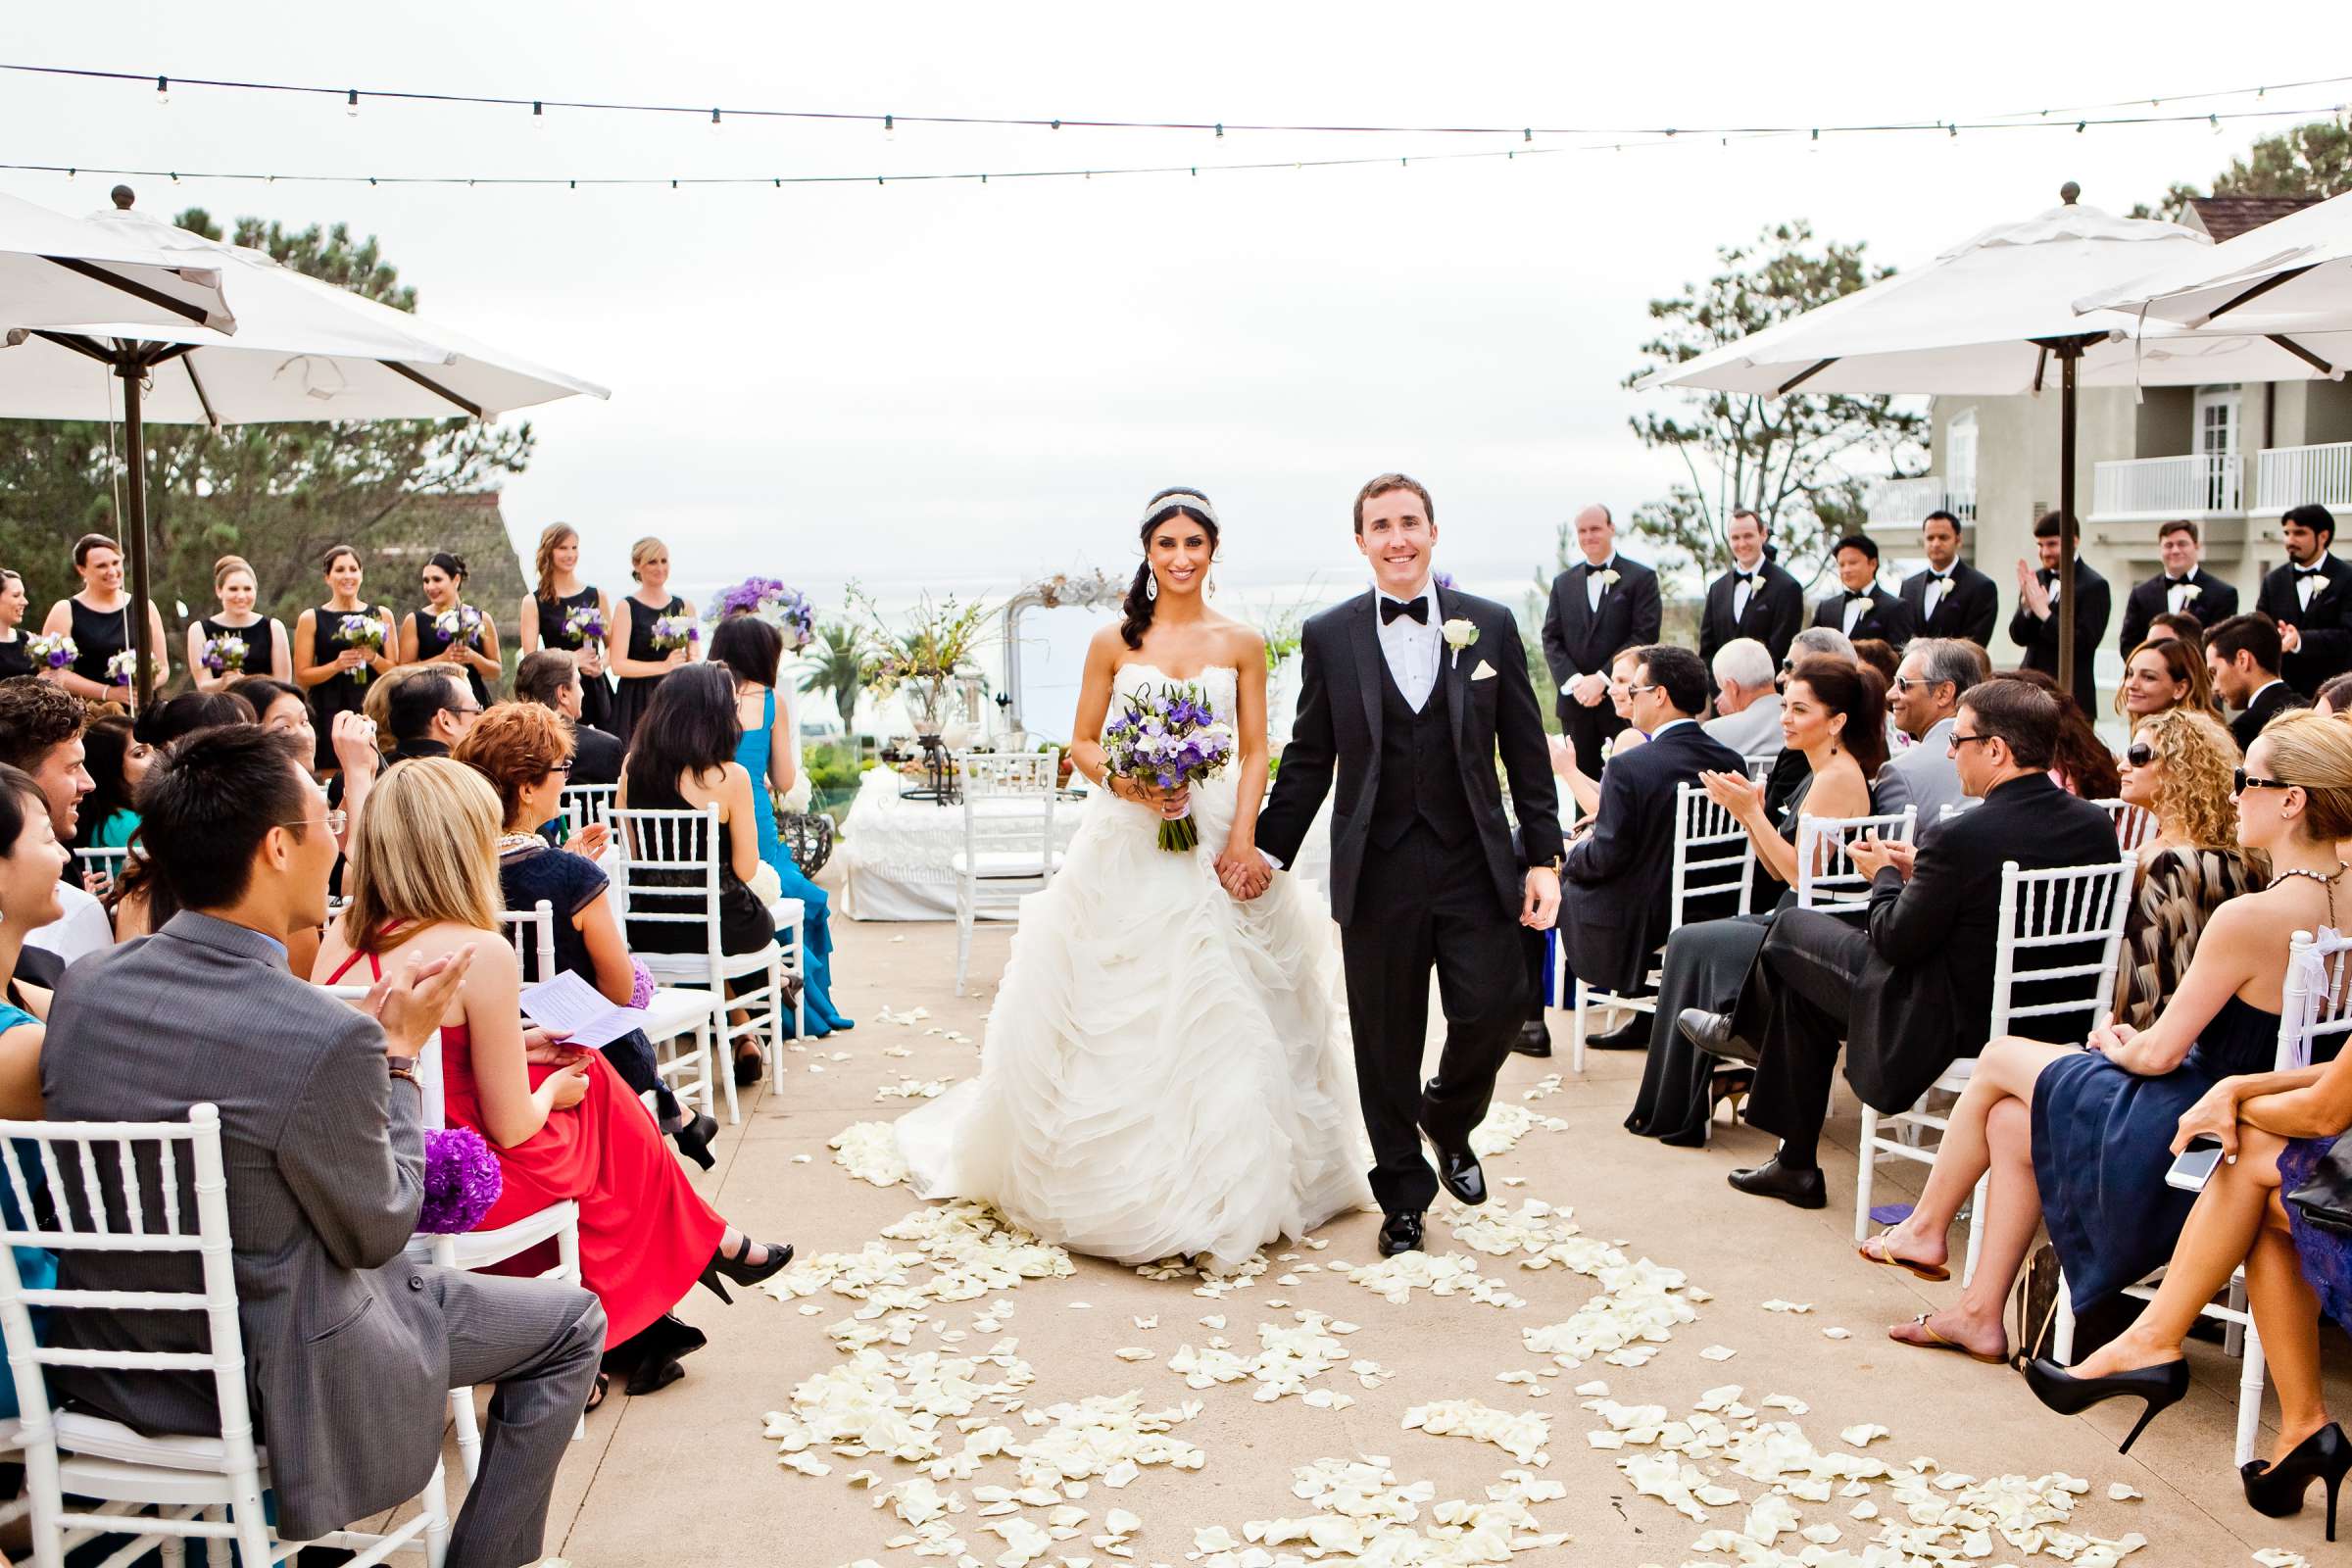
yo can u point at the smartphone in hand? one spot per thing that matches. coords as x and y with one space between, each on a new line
2193 1166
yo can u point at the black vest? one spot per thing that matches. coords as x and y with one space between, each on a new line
1420 777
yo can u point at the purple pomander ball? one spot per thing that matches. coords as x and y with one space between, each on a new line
461 1181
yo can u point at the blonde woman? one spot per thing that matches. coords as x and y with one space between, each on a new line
423 880
557 598
635 658
267 650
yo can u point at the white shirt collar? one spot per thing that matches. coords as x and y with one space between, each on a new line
1670 723
2264 687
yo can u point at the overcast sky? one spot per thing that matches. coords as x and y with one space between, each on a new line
954 383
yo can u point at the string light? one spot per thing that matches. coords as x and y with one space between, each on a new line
351 105
890 127
163 92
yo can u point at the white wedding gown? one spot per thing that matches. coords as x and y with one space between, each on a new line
1166 1071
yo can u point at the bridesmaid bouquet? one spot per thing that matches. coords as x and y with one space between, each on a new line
675 631
224 655
123 668
1168 738
364 631
463 624
784 607
585 625
53 652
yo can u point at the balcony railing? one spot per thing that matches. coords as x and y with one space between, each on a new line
2198 485
1904 502
2291 476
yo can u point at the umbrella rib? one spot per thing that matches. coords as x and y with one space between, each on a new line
2301 353
153 296
434 386
80 345
1804 376
2257 290
203 399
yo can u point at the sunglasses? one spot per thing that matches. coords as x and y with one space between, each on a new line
2140 754
2243 781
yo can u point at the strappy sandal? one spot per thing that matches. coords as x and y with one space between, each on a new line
1932 1273
596 1396
1936 1342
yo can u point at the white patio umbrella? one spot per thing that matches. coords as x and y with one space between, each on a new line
1988 317
55 270
303 350
2287 277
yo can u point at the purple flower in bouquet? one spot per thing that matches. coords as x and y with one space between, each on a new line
1170 737
122 669
675 632
461 1181
771 599
224 655
586 622
53 652
363 631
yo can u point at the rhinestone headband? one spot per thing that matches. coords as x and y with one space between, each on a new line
1188 500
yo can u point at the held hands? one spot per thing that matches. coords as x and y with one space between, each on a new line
1243 871
1872 854
1590 689
411 1004
2290 637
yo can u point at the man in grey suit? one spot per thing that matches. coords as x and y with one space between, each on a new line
350 1349
1747 705
1925 701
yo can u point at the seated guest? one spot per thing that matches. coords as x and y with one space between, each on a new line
2275 1127
2336 697
31 860
1789 770
1748 707
2082 1138
522 747
190 712
117 760
561 1122
2242 655
40 735
1829 701
138 900
2079 763
1877 654
551 679
2188 628
1617 882
423 708
350 1346
2161 674
280 705
1913 993
1924 699
1584 791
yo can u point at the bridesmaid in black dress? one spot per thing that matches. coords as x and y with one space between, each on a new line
545 620
636 660
14 658
98 619
333 668
268 651
423 640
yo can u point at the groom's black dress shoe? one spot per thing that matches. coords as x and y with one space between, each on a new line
1534 1039
1633 1036
1711 1032
1401 1234
1772 1179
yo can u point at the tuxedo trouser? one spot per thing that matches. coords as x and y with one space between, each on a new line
540 1342
1586 729
1420 903
1794 1010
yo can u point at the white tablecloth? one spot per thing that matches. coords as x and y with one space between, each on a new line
895 855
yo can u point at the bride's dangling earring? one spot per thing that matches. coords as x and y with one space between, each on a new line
1151 586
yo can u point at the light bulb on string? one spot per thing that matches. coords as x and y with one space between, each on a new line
538 113
2215 120
351 104
715 120
163 92
890 127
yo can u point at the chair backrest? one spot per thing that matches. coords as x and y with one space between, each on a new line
117 1188
1826 875
108 863
2134 825
533 931
1012 772
2050 922
2315 1002
587 803
1713 858
1007 811
1759 769
669 868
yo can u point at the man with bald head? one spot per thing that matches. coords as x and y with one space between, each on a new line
1602 605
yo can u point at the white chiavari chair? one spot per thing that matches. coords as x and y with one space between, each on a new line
1827 878
1009 848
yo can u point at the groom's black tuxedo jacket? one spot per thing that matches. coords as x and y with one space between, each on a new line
1338 729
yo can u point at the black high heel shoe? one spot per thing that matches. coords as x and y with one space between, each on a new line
779 1256
694 1140
2277 1490
649 1359
2162 1386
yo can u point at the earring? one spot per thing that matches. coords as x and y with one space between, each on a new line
1151 586
1212 582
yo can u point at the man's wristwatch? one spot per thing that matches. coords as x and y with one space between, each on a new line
404 1067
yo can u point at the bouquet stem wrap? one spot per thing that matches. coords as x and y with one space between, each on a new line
1178 834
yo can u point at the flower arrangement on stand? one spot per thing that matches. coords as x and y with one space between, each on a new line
929 649
781 606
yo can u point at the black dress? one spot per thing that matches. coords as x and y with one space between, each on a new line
98 636
260 642
633 692
743 922
430 643
16 657
596 690
345 692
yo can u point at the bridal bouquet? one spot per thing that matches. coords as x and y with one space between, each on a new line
463 624
675 632
586 623
53 652
1168 738
362 631
224 655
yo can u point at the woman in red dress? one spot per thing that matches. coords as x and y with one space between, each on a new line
423 878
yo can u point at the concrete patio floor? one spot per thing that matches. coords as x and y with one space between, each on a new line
685 1476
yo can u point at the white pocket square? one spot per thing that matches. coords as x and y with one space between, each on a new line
1484 672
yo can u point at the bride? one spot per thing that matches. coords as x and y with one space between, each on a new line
1165 1070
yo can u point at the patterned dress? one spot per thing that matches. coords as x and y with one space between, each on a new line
2177 893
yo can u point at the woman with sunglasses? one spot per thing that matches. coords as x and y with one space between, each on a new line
2081 1137
2179 769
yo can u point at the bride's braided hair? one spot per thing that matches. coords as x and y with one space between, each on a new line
1138 605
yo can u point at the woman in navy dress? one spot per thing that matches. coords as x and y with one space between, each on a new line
421 637
329 664
268 651
544 620
98 619
16 657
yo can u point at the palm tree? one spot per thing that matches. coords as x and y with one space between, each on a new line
841 665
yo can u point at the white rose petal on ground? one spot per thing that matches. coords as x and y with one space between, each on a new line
869 1151
2122 1491
1523 1436
1717 1352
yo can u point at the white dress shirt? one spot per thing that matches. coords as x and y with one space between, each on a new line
2309 581
1855 608
2176 595
1413 649
1592 582
1745 588
1939 583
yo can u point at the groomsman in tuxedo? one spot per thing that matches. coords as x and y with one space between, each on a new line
1754 599
2040 597
2310 599
2242 656
1951 598
1602 604
2182 588
1861 608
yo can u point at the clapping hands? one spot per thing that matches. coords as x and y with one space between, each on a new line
412 1002
1735 792
1872 854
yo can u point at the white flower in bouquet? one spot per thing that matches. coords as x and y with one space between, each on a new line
364 632
122 669
225 654
1460 632
464 624
53 652
675 631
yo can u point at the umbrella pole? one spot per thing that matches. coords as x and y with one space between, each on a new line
2068 354
134 440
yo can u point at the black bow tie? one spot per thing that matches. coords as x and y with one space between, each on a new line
1943 577
2173 582
1418 609
1745 576
2046 575
2309 572
1858 599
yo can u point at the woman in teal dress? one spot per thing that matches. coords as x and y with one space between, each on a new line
31 860
753 651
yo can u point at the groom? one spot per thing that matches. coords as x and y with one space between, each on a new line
1407 694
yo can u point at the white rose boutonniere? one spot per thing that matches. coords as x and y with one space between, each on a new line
2191 592
1460 633
1608 580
